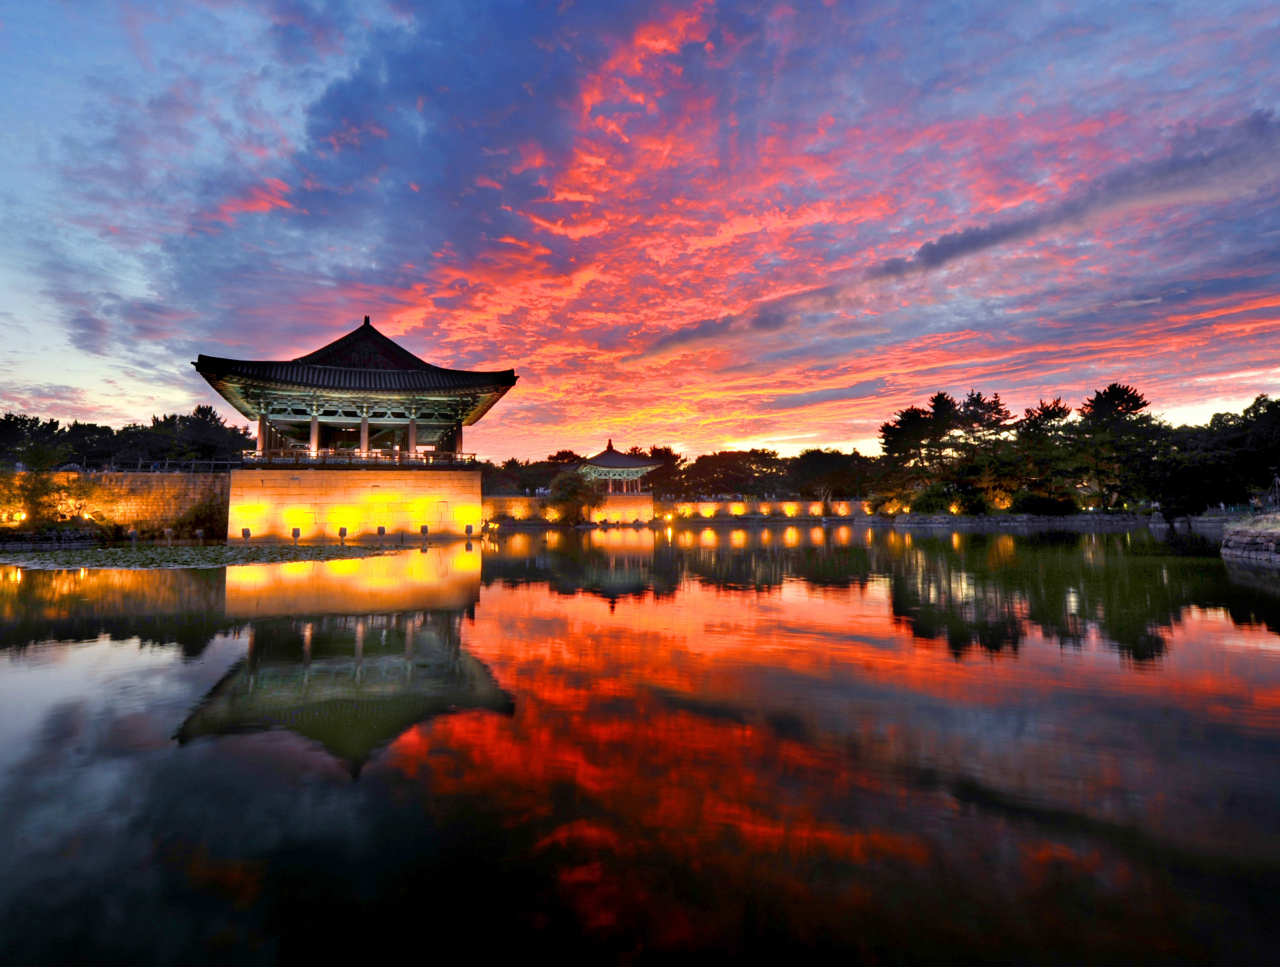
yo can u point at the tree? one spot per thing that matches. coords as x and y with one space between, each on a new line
1115 403
1045 455
668 478
754 472
574 496
825 474
1117 445
565 456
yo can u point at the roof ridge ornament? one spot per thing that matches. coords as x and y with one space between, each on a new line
610 446
367 322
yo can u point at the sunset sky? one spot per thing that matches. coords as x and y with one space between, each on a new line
701 224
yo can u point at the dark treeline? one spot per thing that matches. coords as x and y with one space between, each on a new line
814 474
973 456
46 444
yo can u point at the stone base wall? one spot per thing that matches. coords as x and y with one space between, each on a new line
624 509
148 501
271 503
1256 541
617 508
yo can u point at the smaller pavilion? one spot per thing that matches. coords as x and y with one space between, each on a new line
620 471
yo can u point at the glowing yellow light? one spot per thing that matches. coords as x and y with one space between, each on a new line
790 508
738 538
843 535
954 508
818 536
955 540
815 510
791 537
737 509
707 538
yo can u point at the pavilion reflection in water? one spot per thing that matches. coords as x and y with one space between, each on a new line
351 653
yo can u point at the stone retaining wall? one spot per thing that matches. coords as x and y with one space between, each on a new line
616 509
271 503
148 501
1256 540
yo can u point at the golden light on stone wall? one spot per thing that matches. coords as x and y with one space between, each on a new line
271 503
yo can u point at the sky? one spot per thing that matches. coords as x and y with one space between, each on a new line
701 224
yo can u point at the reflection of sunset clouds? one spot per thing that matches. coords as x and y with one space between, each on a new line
677 722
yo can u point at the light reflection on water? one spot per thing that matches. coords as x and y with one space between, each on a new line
719 740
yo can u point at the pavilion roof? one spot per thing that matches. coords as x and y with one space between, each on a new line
364 361
302 375
611 459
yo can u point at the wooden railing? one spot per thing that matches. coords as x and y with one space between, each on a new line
167 466
338 459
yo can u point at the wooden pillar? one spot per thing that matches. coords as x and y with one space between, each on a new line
263 429
457 438
364 432
412 442
315 431
610 485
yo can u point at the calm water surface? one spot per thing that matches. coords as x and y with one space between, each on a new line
627 746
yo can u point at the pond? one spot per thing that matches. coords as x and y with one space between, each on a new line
704 743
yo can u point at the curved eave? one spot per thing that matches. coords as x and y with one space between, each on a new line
231 376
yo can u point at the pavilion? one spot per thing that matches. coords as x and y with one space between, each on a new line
620 471
362 397
332 680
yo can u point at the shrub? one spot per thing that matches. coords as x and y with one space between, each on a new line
934 499
210 514
571 494
1043 505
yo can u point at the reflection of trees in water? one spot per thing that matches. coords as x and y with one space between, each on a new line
576 566
732 569
972 590
759 569
987 590
172 606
